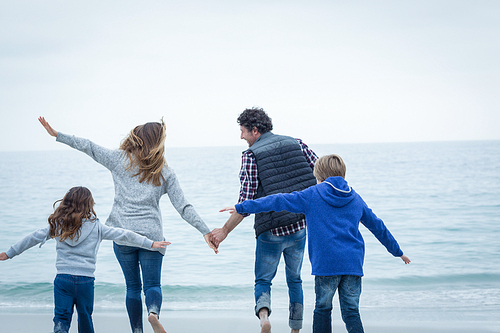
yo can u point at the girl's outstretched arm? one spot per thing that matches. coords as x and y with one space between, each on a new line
3 256
46 125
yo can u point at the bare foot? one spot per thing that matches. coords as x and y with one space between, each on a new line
155 323
266 326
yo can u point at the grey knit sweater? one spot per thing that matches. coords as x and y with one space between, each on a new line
136 205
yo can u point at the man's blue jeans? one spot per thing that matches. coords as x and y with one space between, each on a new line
267 257
349 287
71 291
133 261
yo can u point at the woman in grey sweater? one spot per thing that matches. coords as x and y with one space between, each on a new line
141 176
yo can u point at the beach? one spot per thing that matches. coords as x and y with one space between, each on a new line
446 221
231 321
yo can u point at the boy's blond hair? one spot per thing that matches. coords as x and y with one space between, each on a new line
329 166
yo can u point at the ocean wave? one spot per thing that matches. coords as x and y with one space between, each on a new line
470 279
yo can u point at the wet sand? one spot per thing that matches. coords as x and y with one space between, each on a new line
243 321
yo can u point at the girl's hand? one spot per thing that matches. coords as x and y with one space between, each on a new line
405 259
49 129
3 256
157 245
208 239
231 210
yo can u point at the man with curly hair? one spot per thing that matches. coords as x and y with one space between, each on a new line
273 164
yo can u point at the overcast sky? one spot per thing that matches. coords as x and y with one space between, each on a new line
325 71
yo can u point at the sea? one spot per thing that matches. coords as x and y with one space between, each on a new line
441 201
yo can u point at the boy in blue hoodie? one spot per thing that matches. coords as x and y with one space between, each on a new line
333 211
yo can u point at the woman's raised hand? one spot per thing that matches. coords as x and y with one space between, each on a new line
49 129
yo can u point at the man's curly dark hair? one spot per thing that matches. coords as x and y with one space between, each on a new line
256 117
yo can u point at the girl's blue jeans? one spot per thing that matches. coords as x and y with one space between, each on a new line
267 257
134 261
349 287
71 291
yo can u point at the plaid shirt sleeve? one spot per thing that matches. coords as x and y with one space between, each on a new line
248 178
311 156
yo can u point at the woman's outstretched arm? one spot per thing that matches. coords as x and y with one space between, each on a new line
46 125
107 157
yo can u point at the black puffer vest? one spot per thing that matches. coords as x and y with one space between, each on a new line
282 168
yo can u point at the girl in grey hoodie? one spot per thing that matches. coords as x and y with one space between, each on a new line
78 233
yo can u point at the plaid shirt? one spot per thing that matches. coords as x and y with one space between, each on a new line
249 182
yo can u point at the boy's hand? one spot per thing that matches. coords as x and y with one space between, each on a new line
208 239
405 259
49 129
231 210
3 256
157 245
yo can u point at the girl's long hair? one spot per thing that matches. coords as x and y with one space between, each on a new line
76 206
145 146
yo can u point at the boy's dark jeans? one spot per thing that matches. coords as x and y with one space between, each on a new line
349 287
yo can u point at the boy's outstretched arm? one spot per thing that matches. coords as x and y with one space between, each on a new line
3 256
405 259
231 210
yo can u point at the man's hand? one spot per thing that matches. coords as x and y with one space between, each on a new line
3 256
218 235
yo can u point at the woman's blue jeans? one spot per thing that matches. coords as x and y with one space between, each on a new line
349 287
267 257
133 261
71 291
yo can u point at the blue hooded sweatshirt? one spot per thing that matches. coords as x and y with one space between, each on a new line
333 212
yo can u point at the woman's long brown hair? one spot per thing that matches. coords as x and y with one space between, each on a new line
76 206
145 146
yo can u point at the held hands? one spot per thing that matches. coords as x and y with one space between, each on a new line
157 245
3 256
219 234
405 259
208 239
46 125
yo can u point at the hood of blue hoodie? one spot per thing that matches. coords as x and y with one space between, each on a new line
336 191
85 231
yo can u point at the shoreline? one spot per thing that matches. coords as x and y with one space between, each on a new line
244 321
